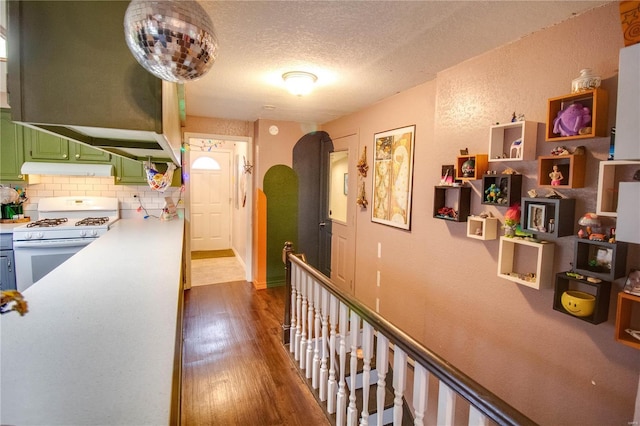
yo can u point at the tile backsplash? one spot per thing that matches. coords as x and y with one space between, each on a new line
130 197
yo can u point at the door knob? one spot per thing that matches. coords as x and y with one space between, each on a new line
322 224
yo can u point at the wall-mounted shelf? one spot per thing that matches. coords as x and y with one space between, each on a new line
548 217
610 175
600 259
457 198
601 291
571 166
514 141
480 168
518 259
627 224
628 304
597 100
482 228
510 187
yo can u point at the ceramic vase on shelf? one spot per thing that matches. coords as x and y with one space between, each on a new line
586 81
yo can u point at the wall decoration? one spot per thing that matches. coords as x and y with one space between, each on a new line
536 217
447 175
393 177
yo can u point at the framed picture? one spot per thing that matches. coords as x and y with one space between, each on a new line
447 175
393 177
346 184
536 217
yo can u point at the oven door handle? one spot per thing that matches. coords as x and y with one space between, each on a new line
74 242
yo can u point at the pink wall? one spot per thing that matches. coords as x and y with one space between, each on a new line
555 368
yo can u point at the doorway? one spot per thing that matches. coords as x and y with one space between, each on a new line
218 188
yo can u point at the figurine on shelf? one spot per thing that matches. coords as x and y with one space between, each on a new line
556 176
591 221
511 220
493 192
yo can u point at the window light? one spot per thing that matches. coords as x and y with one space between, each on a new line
205 163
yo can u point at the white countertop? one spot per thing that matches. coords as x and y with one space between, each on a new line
98 343
7 228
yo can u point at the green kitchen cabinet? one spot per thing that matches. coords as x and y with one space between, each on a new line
11 148
129 172
42 146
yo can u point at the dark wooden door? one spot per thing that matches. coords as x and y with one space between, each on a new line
310 162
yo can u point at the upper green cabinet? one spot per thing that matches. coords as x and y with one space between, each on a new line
11 148
41 146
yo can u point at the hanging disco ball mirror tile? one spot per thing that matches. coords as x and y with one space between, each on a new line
173 40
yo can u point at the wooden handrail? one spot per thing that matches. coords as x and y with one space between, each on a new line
478 396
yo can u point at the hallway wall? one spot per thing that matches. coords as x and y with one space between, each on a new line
442 288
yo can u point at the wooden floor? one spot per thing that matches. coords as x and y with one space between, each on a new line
235 369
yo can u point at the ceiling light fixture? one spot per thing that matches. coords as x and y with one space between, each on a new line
173 40
299 83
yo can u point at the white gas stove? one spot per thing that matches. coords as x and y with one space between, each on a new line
65 225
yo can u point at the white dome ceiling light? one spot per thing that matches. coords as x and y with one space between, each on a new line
173 40
299 83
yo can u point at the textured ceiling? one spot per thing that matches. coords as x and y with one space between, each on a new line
361 51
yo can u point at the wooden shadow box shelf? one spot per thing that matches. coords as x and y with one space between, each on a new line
601 291
510 187
457 198
597 100
514 141
519 258
481 166
548 217
610 175
482 228
627 316
600 259
571 166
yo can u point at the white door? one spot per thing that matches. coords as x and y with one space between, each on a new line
343 242
210 203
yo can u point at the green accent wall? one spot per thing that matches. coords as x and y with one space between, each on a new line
281 189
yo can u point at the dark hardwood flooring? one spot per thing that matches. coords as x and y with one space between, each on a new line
235 369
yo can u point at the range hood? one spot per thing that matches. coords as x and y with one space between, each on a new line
92 90
63 169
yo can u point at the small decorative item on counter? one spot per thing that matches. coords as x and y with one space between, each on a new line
169 212
15 298
570 120
586 81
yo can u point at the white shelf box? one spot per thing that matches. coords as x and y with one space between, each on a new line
513 141
482 228
610 175
628 223
518 258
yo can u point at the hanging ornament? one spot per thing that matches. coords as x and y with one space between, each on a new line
173 40
362 166
362 197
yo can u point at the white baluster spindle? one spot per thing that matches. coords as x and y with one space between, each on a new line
310 337
399 383
303 316
332 384
324 372
341 398
318 339
382 367
446 405
352 411
419 394
367 353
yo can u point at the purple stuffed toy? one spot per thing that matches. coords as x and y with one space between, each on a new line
571 120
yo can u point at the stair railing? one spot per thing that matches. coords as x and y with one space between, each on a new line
327 330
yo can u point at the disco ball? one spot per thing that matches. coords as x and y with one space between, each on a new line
173 40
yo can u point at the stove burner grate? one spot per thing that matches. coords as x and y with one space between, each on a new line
46 223
89 221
